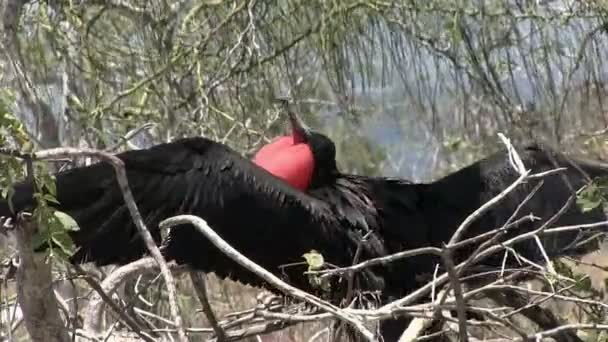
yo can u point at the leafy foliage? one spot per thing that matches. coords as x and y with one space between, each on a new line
53 225
593 195
316 262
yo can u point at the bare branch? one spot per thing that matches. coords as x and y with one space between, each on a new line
289 290
461 308
418 325
94 311
485 207
200 287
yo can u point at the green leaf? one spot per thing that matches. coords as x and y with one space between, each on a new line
64 241
51 186
66 221
320 283
50 198
584 284
589 198
40 238
27 147
314 260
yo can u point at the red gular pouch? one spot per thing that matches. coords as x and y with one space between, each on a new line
288 158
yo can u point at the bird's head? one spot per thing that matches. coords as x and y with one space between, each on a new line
305 159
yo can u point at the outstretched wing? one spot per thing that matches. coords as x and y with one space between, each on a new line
259 214
462 192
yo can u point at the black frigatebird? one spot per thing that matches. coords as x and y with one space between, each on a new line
291 199
259 207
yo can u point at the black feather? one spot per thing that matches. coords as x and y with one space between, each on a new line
260 215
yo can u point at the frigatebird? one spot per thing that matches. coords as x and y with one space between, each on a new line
291 199
260 207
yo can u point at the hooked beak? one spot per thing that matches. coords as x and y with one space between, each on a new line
300 131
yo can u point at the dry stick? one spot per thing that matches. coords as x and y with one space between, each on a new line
548 333
543 293
534 236
461 308
130 135
238 334
485 207
222 245
446 254
430 250
92 318
17 316
437 251
517 165
94 311
418 325
378 261
454 275
386 310
200 287
524 337
121 175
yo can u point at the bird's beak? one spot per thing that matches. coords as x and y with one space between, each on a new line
300 131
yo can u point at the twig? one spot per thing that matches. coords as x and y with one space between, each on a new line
461 309
200 287
130 135
485 207
92 318
428 250
318 334
543 293
378 261
418 325
387 309
94 311
202 227
514 157
519 166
